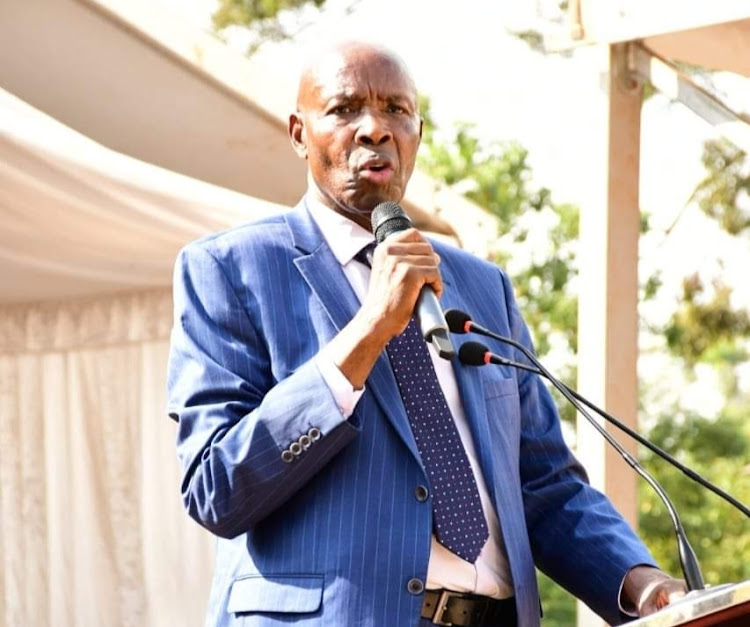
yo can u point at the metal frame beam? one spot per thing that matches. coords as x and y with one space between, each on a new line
668 79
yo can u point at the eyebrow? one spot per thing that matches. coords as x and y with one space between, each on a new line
353 97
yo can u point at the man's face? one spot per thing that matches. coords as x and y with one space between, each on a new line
358 126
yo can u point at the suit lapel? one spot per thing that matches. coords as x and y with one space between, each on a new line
324 275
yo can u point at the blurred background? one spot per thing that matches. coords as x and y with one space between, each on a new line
597 149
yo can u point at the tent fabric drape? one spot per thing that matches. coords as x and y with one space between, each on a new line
61 326
93 531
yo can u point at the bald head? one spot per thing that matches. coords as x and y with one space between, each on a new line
357 124
327 63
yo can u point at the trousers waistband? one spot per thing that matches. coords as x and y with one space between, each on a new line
444 607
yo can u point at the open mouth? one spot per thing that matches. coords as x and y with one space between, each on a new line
377 172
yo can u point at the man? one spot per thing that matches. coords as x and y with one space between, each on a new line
299 447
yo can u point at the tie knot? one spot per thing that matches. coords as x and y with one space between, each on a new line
365 255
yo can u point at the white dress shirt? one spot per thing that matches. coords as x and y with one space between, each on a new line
490 575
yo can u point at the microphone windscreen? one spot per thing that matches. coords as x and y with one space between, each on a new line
472 353
388 218
457 320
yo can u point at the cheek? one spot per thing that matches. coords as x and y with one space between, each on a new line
327 161
409 154
320 159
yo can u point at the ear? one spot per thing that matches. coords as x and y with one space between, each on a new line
297 134
421 125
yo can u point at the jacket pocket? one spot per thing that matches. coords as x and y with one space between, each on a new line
497 388
295 594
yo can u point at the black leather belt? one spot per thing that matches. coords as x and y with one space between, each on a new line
444 607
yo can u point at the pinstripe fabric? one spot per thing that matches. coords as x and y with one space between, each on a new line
334 537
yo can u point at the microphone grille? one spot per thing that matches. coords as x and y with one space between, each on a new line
388 218
472 353
457 320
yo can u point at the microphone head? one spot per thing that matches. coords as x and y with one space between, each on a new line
472 353
388 218
457 320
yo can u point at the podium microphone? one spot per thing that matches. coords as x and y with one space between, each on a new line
460 322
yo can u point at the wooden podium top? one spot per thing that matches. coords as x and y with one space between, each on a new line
727 605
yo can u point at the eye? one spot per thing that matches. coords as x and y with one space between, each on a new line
341 109
395 108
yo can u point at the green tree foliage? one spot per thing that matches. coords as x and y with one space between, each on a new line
261 17
705 327
724 194
719 449
250 12
558 605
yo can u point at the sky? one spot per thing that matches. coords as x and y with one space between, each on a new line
464 58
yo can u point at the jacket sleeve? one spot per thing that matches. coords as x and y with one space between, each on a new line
246 443
577 536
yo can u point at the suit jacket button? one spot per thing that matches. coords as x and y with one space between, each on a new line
305 441
415 586
314 434
295 448
287 456
421 493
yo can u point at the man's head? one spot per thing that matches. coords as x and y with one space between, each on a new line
357 123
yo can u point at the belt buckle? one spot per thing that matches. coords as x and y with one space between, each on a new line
442 606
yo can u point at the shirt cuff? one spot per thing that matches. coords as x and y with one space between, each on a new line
343 391
626 608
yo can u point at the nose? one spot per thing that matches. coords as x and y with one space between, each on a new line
373 129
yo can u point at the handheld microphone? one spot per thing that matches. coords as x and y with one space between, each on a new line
688 560
388 218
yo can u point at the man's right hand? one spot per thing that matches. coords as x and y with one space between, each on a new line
402 264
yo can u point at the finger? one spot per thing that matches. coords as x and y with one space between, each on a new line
436 284
665 593
401 249
407 235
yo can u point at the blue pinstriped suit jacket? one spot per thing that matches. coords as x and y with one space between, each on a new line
333 537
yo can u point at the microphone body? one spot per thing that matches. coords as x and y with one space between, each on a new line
388 218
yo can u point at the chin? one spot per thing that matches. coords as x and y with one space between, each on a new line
369 202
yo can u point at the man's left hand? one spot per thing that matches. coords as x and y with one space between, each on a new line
648 589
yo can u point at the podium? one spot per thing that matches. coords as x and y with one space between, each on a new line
724 606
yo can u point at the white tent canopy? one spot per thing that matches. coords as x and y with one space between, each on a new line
80 219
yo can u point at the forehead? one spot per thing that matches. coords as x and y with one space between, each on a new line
360 73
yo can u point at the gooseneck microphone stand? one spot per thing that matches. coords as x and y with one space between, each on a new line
475 354
460 322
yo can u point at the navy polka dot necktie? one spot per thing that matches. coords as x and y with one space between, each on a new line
459 521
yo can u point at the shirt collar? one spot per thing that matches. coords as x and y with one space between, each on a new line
344 237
